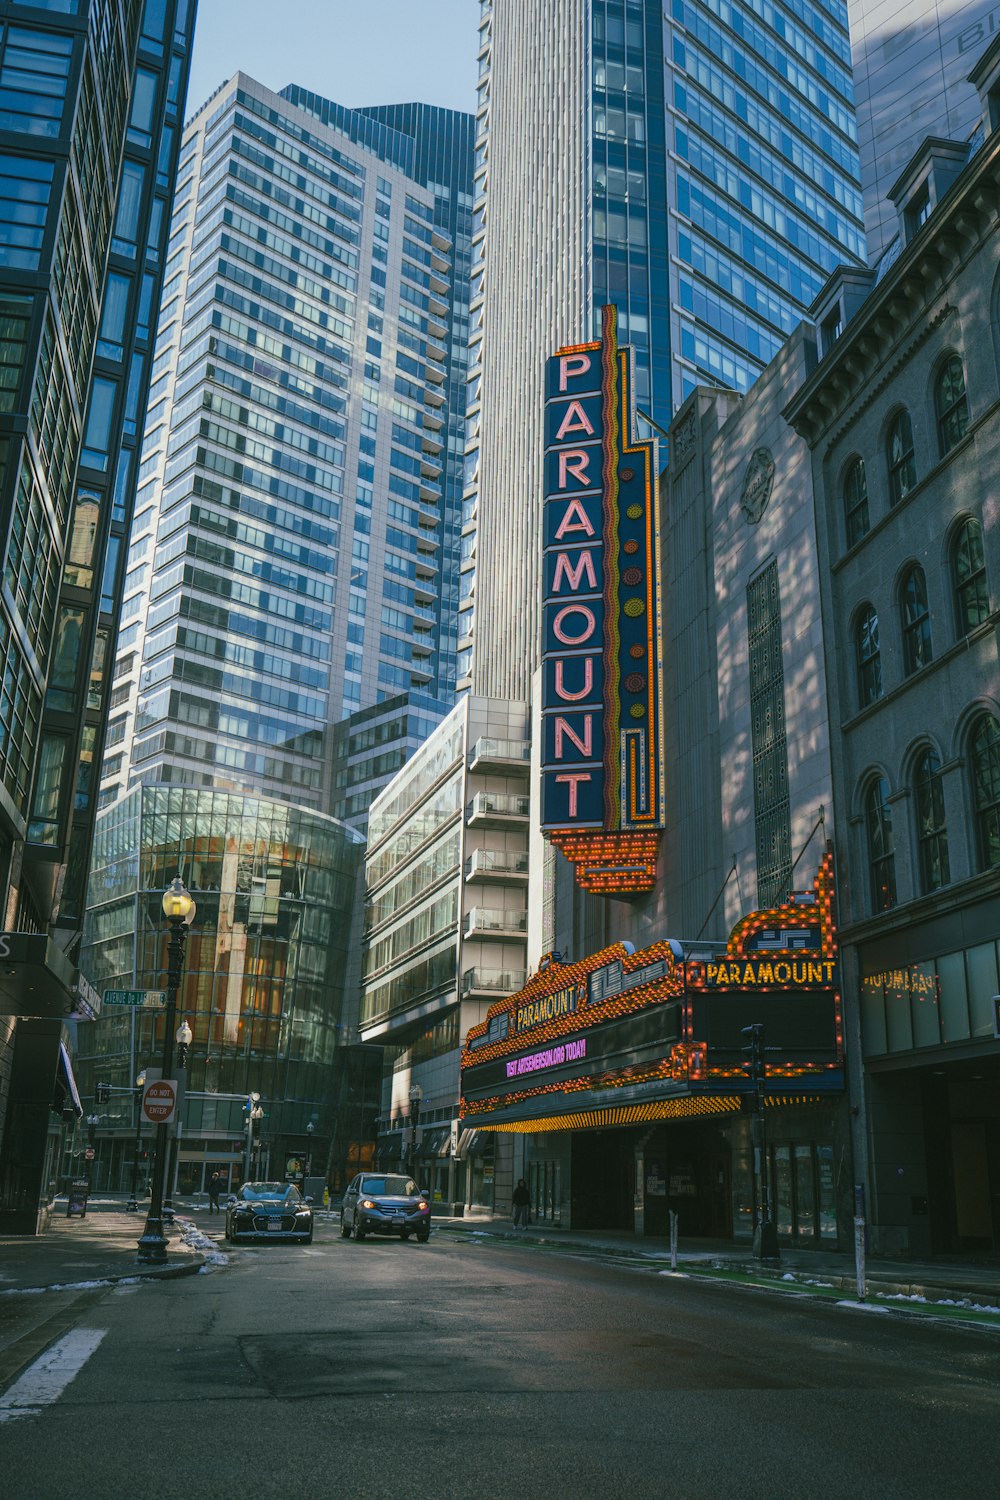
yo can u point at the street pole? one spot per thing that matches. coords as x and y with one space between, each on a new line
183 1040
765 1235
416 1096
179 910
253 1113
133 1202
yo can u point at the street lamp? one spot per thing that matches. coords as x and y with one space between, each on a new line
416 1095
133 1202
183 1036
179 909
254 1113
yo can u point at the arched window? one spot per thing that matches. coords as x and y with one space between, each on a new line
952 405
881 854
856 502
868 657
916 621
899 451
984 761
968 564
932 835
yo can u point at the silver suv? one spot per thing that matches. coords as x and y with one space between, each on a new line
381 1203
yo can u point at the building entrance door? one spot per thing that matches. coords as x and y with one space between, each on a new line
603 1177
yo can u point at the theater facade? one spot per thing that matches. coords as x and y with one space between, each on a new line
625 1078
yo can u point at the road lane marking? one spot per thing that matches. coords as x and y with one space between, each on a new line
45 1380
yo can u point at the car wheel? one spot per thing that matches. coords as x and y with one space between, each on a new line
306 1239
423 1235
344 1229
357 1233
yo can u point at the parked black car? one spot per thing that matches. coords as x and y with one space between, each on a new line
380 1203
269 1211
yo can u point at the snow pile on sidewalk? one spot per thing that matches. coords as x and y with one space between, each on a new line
963 1302
197 1240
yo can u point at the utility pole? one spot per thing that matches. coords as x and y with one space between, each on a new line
765 1233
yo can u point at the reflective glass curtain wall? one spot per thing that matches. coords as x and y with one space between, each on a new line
695 163
90 99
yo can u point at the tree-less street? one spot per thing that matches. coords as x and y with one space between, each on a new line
461 1369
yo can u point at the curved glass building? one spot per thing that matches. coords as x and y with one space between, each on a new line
263 986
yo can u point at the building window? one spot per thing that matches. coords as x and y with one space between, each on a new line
972 605
768 739
881 856
952 405
916 621
856 502
902 469
932 836
34 78
869 658
984 759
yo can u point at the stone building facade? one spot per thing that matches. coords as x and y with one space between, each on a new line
902 417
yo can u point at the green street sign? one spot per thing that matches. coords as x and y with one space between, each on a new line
146 998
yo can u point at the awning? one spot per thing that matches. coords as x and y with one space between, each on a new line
66 1084
469 1143
430 1144
36 977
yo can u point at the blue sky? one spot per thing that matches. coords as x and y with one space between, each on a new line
353 51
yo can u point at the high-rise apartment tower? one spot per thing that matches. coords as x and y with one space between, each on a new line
284 566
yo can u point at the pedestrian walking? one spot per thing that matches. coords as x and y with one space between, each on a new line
214 1189
520 1199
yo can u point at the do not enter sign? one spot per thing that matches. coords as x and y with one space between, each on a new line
159 1100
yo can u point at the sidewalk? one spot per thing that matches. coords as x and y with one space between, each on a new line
971 1282
99 1247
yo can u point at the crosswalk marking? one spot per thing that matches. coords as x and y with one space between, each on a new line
45 1380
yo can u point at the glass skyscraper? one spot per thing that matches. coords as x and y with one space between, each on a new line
91 102
695 164
284 566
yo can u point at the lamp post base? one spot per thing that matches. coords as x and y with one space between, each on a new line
152 1249
765 1241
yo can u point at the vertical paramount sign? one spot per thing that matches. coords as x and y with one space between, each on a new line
602 752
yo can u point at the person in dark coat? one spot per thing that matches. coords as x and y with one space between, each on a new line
214 1189
520 1198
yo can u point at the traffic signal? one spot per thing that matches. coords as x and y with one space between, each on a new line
103 1093
754 1051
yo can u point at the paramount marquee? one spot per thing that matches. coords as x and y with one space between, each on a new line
603 797
624 1037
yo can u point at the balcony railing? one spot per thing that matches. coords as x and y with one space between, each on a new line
493 981
487 806
492 919
493 864
490 752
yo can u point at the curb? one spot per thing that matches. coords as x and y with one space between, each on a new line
140 1273
877 1281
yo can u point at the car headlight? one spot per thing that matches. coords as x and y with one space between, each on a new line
422 1206
302 1213
367 1203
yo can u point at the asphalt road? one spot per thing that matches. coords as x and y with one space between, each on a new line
475 1370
